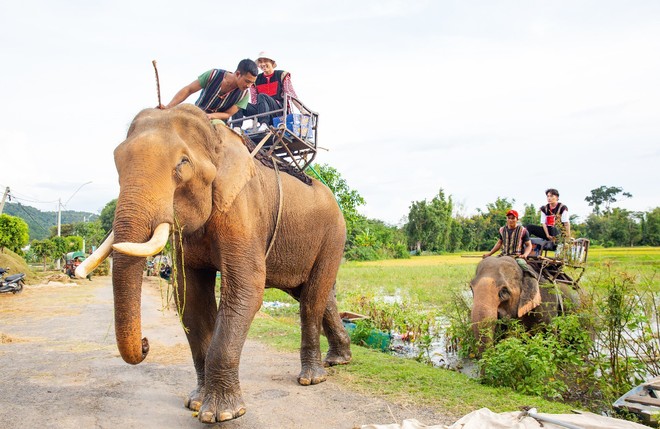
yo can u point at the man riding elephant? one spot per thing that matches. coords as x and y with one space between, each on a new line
223 93
515 242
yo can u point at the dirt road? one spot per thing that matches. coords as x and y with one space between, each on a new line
60 368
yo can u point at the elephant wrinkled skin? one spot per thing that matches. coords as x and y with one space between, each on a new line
501 291
176 168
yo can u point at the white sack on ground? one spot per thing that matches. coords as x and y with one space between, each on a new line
486 419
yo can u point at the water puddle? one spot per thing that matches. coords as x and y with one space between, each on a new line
438 354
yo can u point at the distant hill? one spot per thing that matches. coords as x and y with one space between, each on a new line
40 222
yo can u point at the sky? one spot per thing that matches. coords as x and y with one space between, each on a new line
483 99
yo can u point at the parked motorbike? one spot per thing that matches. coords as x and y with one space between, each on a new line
151 268
12 283
166 272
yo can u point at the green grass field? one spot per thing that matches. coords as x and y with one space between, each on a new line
432 281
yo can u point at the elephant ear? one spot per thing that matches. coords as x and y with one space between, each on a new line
530 296
235 168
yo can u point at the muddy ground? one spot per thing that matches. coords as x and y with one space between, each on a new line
60 368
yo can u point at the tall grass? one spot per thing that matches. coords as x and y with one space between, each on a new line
434 284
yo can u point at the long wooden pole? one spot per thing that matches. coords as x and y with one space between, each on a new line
157 82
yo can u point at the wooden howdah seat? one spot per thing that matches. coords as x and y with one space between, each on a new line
572 254
292 142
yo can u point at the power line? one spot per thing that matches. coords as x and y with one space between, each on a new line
26 198
13 195
43 228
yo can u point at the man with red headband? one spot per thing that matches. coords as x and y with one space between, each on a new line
514 241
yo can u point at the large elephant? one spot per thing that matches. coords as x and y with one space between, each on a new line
500 290
178 172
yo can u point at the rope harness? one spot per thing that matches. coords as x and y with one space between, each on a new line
279 210
559 299
272 163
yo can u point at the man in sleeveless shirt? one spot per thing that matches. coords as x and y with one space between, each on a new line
554 218
514 241
223 93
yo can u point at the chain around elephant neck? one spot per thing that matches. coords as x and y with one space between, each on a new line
279 208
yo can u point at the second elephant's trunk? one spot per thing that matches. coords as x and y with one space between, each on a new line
483 319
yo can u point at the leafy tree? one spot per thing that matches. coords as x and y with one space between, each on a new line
44 249
61 247
347 198
605 195
107 216
13 233
475 232
429 223
374 239
619 227
73 243
91 232
651 229
530 215
418 227
455 237
623 228
596 228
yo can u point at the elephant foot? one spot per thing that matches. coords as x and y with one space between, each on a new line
335 357
194 399
312 375
220 408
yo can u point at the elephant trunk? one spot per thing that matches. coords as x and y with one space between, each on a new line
131 225
484 318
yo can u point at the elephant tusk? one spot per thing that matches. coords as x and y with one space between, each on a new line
95 259
151 247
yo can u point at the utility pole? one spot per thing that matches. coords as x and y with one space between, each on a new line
4 196
59 225
59 215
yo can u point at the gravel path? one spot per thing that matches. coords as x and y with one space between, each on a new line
61 369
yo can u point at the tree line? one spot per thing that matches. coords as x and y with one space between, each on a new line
435 226
75 236
431 226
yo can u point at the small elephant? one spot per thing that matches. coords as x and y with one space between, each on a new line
500 290
232 214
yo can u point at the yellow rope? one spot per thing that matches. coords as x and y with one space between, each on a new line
279 208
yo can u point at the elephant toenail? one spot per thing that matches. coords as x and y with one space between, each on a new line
225 415
207 417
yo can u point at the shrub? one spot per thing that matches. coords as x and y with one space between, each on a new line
526 364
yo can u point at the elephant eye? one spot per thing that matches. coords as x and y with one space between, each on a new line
504 294
183 168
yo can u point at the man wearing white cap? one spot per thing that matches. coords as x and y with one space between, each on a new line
268 91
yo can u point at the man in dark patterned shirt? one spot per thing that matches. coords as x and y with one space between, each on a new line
514 241
223 93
